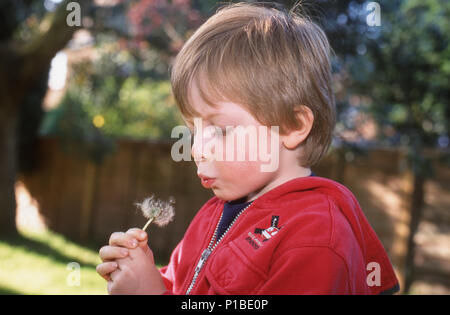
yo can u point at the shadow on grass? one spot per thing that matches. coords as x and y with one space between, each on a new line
41 248
8 291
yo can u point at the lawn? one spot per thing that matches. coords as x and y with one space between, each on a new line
47 263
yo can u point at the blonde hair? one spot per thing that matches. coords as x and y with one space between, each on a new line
267 60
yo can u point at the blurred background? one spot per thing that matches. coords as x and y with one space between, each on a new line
86 114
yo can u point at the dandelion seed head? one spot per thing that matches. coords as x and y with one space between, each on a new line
161 212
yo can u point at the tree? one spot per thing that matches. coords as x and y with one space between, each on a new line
32 34
23 61
406 72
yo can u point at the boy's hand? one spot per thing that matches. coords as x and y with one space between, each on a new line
136 274
120 251
119 243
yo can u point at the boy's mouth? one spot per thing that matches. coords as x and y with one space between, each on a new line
207 182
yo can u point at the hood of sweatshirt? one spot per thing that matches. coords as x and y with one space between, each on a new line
370 245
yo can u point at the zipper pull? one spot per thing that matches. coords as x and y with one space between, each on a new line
203 259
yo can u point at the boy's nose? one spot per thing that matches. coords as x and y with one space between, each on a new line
197 147
198 151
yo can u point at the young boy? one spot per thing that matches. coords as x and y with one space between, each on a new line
283 231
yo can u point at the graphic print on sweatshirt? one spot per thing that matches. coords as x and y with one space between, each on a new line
264 234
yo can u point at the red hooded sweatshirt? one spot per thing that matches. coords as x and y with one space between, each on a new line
306 236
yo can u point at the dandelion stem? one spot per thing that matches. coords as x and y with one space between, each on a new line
148 223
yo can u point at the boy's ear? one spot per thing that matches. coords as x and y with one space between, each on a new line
305 117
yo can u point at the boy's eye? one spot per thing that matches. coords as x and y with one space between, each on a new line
215 131
191 129
191 133
220 131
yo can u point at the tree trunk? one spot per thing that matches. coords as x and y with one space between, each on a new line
417 204
21 67
8 153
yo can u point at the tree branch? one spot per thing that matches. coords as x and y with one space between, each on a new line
53 36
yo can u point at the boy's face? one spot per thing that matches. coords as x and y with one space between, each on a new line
231 178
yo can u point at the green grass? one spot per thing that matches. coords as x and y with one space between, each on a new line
39 264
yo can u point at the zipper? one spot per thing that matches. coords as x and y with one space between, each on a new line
207 252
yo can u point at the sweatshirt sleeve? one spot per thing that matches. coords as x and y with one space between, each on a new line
168 282
168 272
308 270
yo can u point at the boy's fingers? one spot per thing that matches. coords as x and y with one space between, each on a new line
142 253
122 239
114 275
112 252
104 269
139 234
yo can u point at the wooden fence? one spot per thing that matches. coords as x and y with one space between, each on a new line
87 202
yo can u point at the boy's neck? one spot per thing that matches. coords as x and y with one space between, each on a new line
296 172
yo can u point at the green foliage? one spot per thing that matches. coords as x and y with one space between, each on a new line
409 84
71 123
142 108
113 97
409 61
